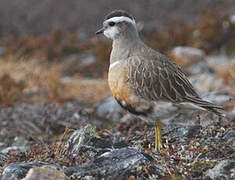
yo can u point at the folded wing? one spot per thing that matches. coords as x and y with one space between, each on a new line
161 79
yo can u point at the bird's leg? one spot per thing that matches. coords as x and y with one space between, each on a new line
158 135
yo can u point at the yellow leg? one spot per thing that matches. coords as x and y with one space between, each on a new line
158 135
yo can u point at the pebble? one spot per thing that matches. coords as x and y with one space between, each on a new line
110 109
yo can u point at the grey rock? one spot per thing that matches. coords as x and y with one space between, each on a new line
182 132
206 81
86 60
112 164
217 98
223 170
110 109
200 67
15 148
19 141
218 60
17 171
45 172
87 140
76 62
232 18
191 54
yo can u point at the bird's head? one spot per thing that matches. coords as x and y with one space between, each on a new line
118 23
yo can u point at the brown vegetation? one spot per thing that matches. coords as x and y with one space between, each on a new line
31 69
33 80
213 33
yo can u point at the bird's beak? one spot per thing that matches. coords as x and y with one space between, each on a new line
99 31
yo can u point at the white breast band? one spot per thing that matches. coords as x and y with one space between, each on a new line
113 64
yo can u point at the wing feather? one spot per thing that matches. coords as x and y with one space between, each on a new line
158 79
161 79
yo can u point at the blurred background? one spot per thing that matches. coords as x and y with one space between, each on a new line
49 53
53 80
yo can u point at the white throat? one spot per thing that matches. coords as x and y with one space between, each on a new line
111 32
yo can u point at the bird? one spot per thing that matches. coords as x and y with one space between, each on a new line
140 77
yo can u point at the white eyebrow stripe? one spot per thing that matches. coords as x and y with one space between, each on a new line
113 64
121 19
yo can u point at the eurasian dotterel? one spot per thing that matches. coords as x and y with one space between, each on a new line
139 77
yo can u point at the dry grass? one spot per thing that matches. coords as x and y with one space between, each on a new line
32 80
34 72
87 90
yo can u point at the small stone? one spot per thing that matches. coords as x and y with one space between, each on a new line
218 60
185 55
15 148
45 172
197 144
74 63
217 98
205 82
19 141
86 140
232 18
86 60
200 67
109 109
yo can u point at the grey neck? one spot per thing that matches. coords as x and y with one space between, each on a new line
124 46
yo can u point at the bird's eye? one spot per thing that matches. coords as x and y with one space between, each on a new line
111 23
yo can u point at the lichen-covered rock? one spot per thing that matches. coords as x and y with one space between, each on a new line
182 132
86 140
17 171
223 170
114 164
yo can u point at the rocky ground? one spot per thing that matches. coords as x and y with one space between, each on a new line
80 141
58 119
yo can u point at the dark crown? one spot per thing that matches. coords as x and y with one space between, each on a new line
118 13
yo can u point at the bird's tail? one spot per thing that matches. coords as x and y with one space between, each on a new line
206 105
